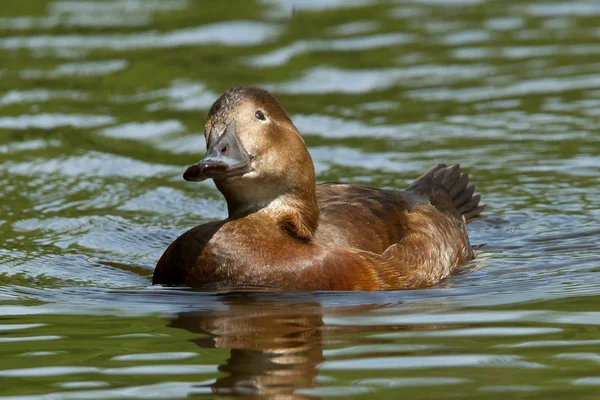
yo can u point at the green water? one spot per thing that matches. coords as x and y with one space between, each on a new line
102 105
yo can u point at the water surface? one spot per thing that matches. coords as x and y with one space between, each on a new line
102 105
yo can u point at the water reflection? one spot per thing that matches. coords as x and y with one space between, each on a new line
293 349
275 348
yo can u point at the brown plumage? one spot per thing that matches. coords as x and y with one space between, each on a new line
286 232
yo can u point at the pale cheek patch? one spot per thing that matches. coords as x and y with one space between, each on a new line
251 175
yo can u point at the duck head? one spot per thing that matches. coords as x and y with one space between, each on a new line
258 160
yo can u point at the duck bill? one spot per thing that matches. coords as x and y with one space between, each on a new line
216 167
225 158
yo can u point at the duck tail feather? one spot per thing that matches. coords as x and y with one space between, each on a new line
448 190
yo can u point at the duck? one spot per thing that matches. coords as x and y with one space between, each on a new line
285 232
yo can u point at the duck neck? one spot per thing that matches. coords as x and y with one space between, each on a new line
296 211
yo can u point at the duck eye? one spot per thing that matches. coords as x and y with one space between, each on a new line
260 115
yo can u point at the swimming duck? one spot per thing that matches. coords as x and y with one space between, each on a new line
286 232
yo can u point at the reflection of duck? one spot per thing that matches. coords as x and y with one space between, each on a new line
276 343
283 231
275 349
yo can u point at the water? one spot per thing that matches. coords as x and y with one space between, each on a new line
101 108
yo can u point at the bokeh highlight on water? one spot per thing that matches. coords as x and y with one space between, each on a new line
102 106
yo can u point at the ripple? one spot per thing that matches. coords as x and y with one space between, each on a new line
446 318
467 37
412 382
13 327
353 28
189 144
65 270
103 233
332 127
521 52
51 22
550 343
231 33
139 336
143 130
41 353
331 80
284 54
579 356
52 121
155 356
445 2
588 381
333 391
39 95
579 318
111 13
524 52
575 8
379 106
91 164
166 390
80 69
165 200
37 144
82 384
525 87
504 23
180 95
28 339
509 388
370 349
285 7
556 127
127 241
471 360
23 310
46 371
115 6
327 157
475 332
172 369
56 224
